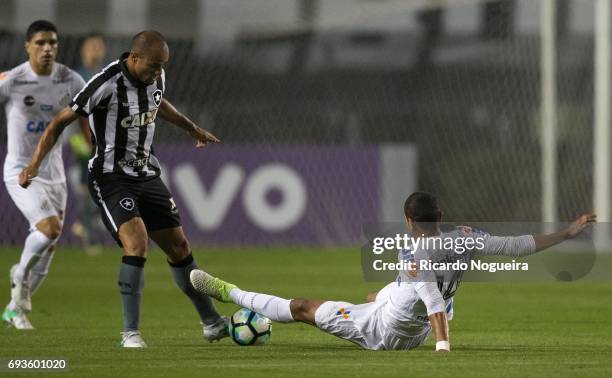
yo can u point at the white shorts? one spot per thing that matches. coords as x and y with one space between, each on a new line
364 324
39 201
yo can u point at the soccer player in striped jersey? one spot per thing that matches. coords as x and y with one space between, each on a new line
122 103
35 92
402 314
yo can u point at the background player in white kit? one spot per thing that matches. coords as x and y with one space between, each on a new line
35 92
402 314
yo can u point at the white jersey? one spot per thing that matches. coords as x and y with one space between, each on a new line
32 102
429 291
399 317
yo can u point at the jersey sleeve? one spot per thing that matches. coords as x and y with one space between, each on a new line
5 85
85 101
515 246
425 283
97 89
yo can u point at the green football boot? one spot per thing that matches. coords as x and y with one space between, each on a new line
211 286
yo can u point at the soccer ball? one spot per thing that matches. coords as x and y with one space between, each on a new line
249 328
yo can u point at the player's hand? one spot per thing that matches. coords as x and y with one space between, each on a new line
26 176
203 137
577 226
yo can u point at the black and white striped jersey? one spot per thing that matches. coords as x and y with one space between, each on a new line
121 112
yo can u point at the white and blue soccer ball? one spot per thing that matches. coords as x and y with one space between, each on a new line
249 328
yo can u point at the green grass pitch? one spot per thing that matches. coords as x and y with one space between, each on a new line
500 329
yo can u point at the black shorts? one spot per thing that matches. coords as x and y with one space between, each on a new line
121 198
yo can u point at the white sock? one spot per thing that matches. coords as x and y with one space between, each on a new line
40 270
35 244
275 308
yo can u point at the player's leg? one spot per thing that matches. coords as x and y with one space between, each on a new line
117 200
163 222
81 228
180 259
34 250
277 308
58 194
133 237
45 228
335 318
40 269
273 307
37 243
304 310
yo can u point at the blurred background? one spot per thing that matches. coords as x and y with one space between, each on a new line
332 111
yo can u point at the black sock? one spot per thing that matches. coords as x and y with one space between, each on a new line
203 304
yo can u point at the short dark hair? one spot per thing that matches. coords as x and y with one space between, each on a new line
147 39
39 26
422 207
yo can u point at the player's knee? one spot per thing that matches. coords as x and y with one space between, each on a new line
50 227
179 250
299 308
182 247
137 249
135 245
55 231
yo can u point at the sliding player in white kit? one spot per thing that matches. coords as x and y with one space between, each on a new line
35 92
402 314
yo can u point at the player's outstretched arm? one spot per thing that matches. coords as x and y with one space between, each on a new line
574 229
518 246
439 323
168 112
46 142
